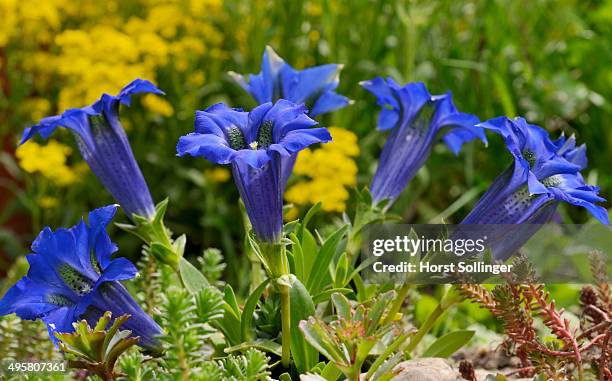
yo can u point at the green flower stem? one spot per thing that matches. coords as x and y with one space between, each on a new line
397 303
275 256
450 298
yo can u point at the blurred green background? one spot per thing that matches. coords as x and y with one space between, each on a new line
546 60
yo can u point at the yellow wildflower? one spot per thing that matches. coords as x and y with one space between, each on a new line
8 13
328 171
39 108
158 105
48 160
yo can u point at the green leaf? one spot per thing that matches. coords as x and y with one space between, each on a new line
331 372
309 252
192 278
230 324
377 310
321 338
321 265
249 310
343 306
179 245
311 212
230 298
298 257
324 296
448 344
342 269
302 307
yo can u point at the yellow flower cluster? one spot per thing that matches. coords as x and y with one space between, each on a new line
98 47
48 160
328 172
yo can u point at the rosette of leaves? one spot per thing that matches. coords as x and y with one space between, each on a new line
97 349
352 337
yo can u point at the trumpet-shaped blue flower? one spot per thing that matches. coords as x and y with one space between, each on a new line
544 173
73 276
417 120
314 86
255 144
105 146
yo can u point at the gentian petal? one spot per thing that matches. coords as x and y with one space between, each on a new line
253 157
28 300
137 86
600 213
261 190
118 269
543 174
300 86
114 297
415 119
297 140
105 146
211 147
60 320
262 156
278 80
65 280
329 101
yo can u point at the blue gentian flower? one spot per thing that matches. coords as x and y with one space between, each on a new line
314 86
255 143
105 146
544 173
73 276
417 120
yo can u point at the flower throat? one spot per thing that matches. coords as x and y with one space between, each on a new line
264 137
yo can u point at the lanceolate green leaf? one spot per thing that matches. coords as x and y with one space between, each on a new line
311 212
298 257
448 344
342 269
249 309
192 278
309 252
320 267
305 356
230 324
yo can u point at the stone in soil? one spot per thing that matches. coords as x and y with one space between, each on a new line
425 369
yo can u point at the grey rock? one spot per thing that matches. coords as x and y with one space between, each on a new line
425 369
